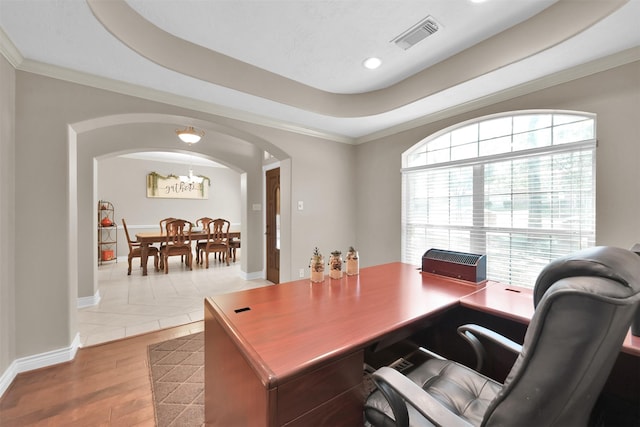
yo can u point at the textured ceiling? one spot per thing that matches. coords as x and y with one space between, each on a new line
297 64
323 43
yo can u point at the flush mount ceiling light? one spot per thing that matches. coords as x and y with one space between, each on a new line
190 135
372 63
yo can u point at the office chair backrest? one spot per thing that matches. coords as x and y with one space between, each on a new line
585 303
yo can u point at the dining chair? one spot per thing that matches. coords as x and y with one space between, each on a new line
177 242
135 250
163 223
163 227
217 241
234 245
203 224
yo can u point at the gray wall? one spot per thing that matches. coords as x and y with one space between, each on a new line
7 216
351 194
122 181
69 127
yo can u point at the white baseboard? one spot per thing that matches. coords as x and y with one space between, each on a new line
38 361
89 301
252 276
7 377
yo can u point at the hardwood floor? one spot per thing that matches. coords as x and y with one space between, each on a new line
105 385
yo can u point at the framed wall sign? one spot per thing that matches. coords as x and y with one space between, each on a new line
177 187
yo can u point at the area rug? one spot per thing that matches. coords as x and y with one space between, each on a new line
177 381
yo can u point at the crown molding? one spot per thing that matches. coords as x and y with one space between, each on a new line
599 65
112 85
14 57
9 51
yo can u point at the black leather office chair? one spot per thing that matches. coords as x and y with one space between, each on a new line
584 303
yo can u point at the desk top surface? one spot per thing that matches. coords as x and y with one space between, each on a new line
516 303
511 302
286 328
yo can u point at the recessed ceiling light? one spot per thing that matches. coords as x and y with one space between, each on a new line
372 63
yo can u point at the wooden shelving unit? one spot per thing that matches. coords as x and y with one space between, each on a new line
107 233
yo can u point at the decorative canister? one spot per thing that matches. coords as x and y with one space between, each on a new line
335 265
316 265
353 265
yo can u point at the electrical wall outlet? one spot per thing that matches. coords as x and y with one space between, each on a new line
301 273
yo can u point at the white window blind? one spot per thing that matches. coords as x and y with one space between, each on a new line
518 188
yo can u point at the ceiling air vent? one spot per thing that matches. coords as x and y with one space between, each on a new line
418 32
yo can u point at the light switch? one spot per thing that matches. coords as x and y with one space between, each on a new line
300 205
257 206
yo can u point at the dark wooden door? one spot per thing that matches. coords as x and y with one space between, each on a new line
273 225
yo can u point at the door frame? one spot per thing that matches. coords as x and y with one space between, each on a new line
265 169
273 234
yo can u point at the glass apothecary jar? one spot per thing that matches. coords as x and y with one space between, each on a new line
335 265
353 263
316 265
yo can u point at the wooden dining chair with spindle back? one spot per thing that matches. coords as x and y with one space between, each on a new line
203 224
177 242
163 223
217 241
135 250
163 229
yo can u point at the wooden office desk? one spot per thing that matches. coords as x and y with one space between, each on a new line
148 238
292 354
508 302
516 303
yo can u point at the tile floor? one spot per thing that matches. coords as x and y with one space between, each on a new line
132 305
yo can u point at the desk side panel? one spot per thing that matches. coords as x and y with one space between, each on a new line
343 410
233 394
317 390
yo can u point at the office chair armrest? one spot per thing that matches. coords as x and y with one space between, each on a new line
399 389
470 333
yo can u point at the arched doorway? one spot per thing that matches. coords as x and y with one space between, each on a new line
113 135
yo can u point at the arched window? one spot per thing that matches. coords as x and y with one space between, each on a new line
518 187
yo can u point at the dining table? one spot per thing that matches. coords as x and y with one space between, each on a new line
148 238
